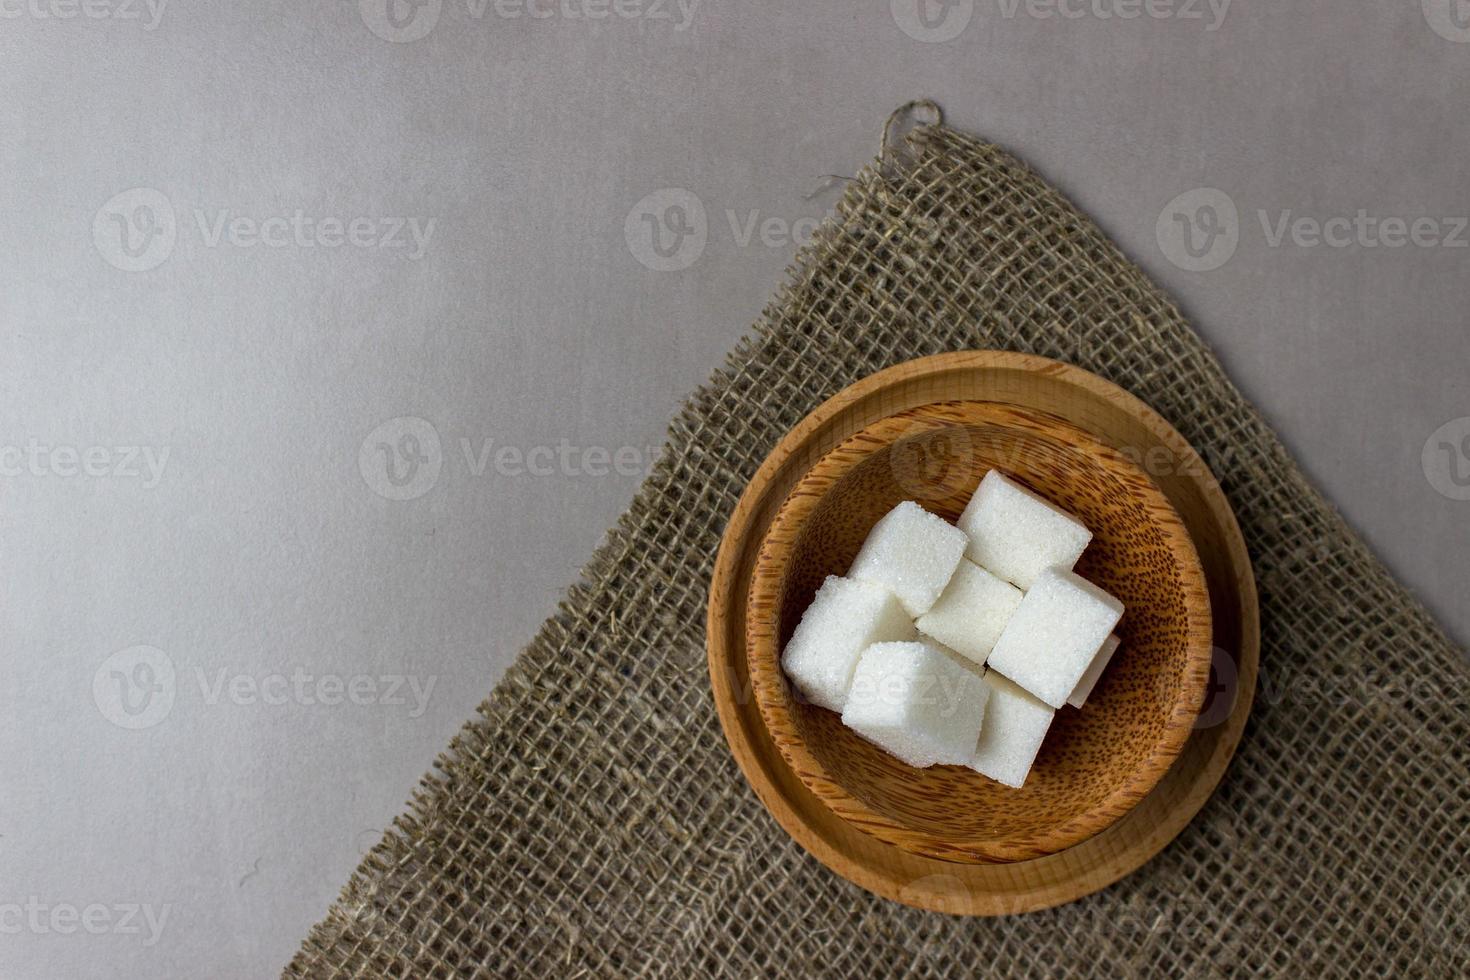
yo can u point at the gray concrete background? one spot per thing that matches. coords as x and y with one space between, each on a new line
234 639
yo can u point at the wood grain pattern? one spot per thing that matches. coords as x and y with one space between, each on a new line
1113 417
1095 764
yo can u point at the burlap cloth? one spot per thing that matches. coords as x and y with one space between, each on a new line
590 820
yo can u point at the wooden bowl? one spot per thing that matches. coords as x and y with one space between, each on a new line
1096 763
1119 419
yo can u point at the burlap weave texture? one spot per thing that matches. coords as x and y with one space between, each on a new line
590 820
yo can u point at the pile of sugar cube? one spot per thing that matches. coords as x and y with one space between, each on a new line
948 645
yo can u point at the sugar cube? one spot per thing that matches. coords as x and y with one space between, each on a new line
1054 633
971 612
913 701
913 553
1016 534
845 618
1094 671
1015 725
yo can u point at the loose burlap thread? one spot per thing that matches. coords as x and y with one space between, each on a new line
590 820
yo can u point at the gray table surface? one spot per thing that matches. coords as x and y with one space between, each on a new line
335 336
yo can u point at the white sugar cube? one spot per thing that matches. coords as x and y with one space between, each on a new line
911 552
1093 673
844 619
1054 633
914 702
1015 725
1016 534
972 612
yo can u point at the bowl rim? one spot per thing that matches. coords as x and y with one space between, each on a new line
772 692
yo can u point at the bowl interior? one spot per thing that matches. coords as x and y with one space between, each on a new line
1096 762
